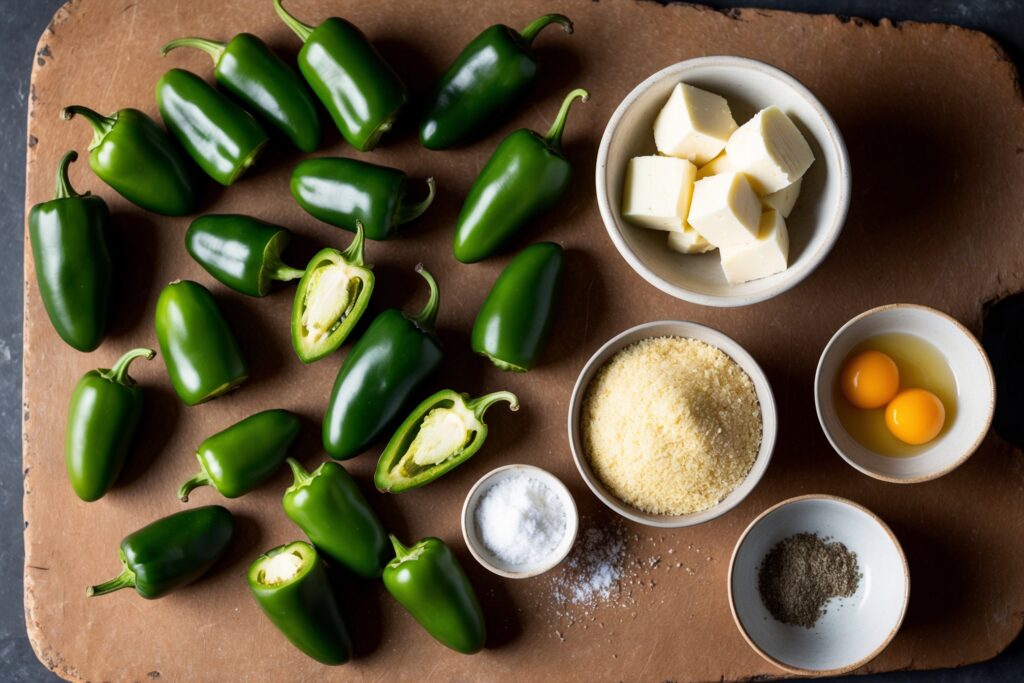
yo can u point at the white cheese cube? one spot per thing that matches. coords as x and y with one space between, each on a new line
767 255
657 192
719 164
694 124
689 241
784 200
725 210
770 150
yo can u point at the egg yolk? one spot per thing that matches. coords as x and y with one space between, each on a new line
915 416
870 379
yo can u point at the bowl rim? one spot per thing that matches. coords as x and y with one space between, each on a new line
989 377
571 513
800 671
835 228
769 428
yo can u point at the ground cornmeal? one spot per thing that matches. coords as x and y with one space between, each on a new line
671 425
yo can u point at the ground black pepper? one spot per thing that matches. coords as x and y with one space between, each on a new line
800 574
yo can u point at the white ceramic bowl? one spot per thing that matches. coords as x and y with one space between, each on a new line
749 86
854 630
472 535
692 330
976 392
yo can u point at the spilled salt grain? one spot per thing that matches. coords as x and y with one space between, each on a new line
521 520
593 571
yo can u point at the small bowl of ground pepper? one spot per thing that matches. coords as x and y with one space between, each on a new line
818 585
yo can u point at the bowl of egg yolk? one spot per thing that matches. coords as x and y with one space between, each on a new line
904 393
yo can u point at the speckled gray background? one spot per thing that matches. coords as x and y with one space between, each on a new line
21 22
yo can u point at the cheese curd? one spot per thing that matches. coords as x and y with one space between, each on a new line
694 124
657 192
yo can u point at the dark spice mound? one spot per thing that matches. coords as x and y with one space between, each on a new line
802 573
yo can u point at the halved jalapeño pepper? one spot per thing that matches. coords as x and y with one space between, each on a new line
242 252
428 581
243 456
360 90
381 374
487 79
443 432
331 298
102 418
264 83
342 191
291 586
527 174
72 262
131 153
171 552
329 508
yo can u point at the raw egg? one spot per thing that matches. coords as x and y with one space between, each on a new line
915 416
870 379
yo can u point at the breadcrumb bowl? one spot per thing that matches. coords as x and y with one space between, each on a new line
688 330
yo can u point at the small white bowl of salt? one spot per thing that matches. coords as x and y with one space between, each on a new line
519 521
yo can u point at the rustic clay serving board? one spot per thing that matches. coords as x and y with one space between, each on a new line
932 115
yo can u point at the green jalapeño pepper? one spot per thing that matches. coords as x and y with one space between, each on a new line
489 77
384 370
526 176
515 321
131 153
171 552
202 355
360 90
330 509
428 581
105 409
330 299
243 456
440 434
342 191
291 586
242 252
261 81
72 262
221 137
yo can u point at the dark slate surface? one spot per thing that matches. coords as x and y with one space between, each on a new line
21 22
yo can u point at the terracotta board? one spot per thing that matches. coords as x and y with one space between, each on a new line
932 115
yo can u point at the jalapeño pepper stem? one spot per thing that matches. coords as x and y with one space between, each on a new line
126 579
410 211
302 477
401 551
200 479
64 189
301 30
554 135
480 405
101 124
210 47
425 319
277 269
355 251
119 373
538 25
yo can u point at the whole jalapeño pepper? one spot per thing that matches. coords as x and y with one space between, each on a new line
221 137
102 419
515 321
360 90
329 508
384 370
131 153
428 581
171 552
441 433
291 586
72 261
489 77
248 69
330 299
242 252
202 355
243 456
342 191
526 176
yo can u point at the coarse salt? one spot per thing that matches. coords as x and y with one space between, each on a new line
521 520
